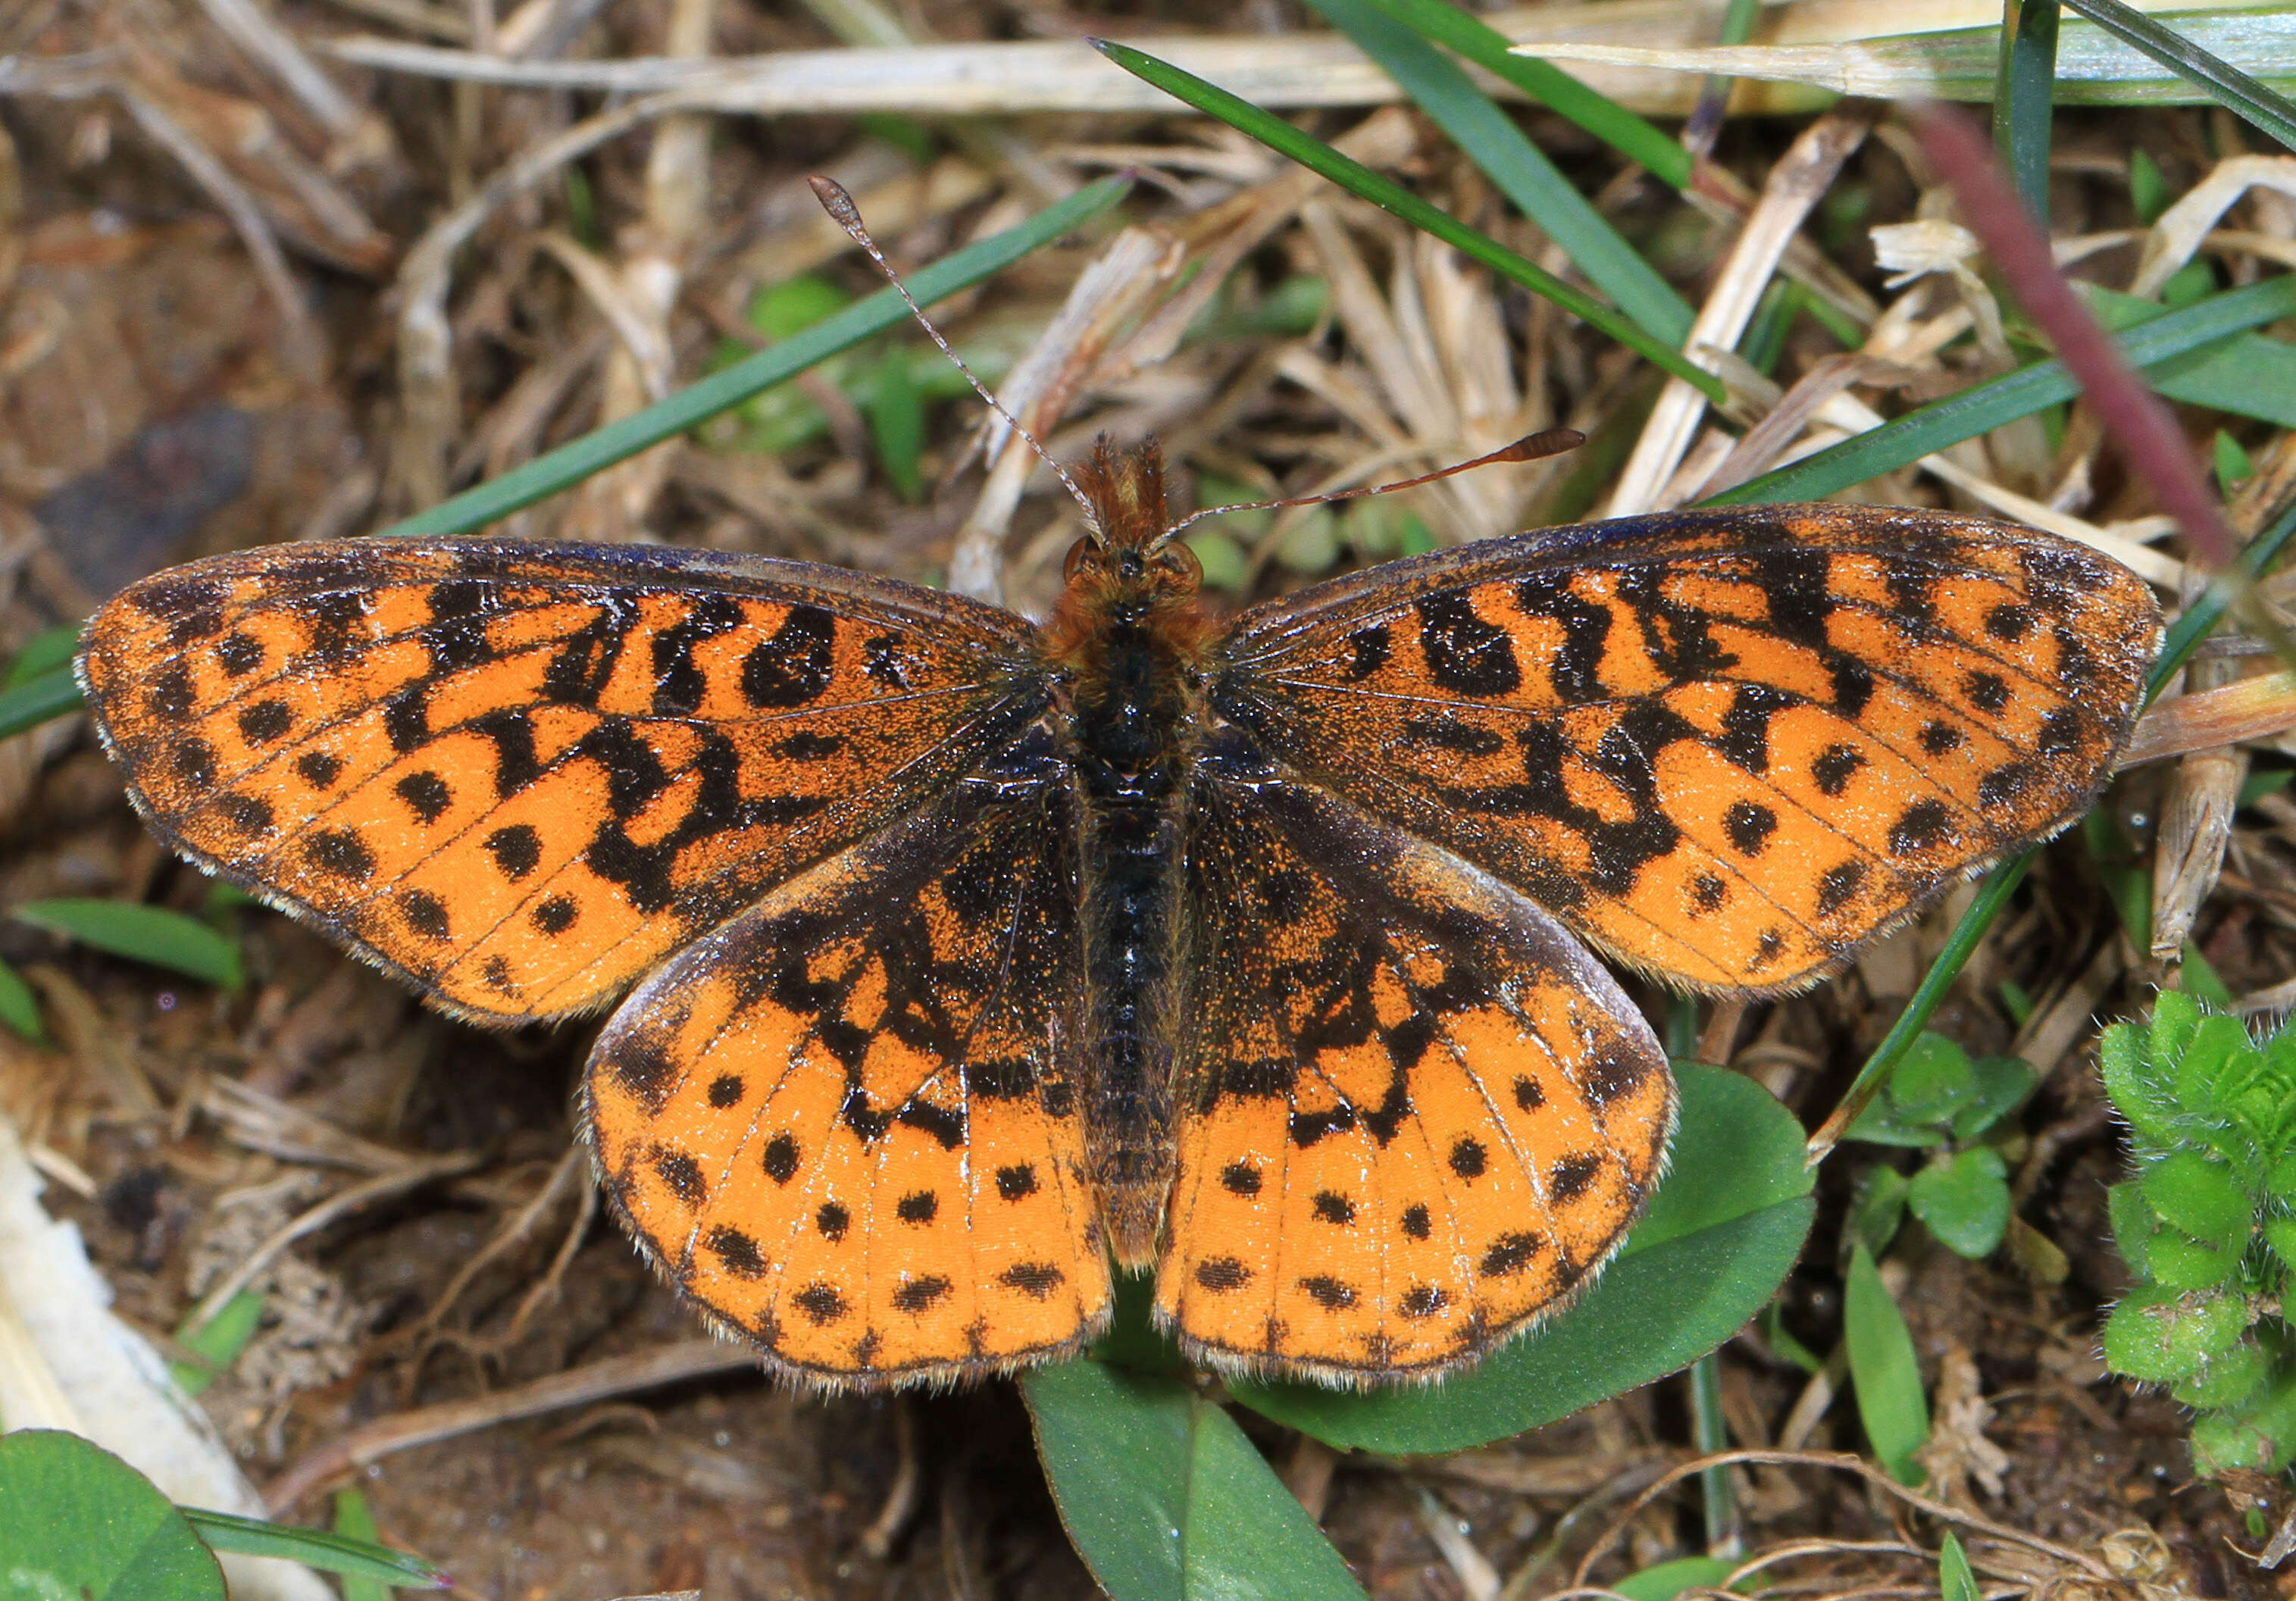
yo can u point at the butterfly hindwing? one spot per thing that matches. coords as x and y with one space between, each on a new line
847 1123
1727 747
522 775
1415 1113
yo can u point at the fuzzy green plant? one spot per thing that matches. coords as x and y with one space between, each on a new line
2207 1223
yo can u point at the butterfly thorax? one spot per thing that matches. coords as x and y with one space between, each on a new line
1128 646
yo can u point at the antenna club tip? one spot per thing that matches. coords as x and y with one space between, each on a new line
1536 447
835 200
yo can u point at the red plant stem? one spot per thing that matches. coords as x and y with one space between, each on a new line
2132 415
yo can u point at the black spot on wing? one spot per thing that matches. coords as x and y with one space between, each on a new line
793 667
1221 1274
1834 768
921 1294
1923 823
426 795
1464 654
737 1252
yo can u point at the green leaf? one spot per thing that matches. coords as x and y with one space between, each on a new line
1385 193
2023 97
2161 1337
2201 1197
897 424
1550 86
81 1524
2221 81
216 1344
2260 1437
784 310
2134 1225
1721 1234
38 700
2264 780
141 934
1667 1579
20 1008
697 403
1164 1497
1783 1341
1932 1082
2233 467
354 1520
2148 191
2136 1086
316 1549
1964 1202
1877 1209
1519 168
2016 1001
1983 408
1225 564
1955 1581
2002 1085
2229 1381
1881 1364
43 653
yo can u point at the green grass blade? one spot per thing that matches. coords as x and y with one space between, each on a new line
43 653
314 1549
1520 170
20 1008
2019 394
1955 1580
38 700
2023 96
569 464
2218 80
141 934
1887 1374
213 1346
1632 136
1353 176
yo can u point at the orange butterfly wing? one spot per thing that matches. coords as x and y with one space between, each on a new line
1416 1116
1727 747
847 1122
522 774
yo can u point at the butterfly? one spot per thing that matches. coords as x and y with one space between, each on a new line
962 961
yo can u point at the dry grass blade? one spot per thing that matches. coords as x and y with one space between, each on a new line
1796 183
334 1209
2079 1562
579 1386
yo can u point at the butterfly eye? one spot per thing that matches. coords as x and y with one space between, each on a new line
1181 563
1078 553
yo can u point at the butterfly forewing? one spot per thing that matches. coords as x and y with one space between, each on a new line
1728 747
1416 1115
847 1122
523 775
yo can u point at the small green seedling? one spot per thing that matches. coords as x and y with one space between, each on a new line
1941 1101
2207 1222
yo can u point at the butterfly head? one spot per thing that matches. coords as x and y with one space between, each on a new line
1127 570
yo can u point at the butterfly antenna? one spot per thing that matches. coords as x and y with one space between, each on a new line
839 203
1530 447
